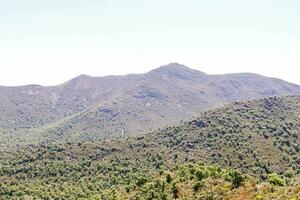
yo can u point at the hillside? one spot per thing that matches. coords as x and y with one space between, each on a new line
254 143
87 108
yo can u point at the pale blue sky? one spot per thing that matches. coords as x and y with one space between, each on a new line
49 42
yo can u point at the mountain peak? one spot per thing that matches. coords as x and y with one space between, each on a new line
177 70
173 66
81 81
83 76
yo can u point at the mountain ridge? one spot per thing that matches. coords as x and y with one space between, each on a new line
112 106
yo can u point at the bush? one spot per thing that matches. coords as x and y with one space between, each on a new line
141 181
258 197
164 196
275 180
175 191
197 186
200 174
168 178
236 178
184 174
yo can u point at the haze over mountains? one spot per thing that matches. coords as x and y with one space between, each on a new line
88 107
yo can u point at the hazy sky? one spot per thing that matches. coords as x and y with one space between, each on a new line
48 42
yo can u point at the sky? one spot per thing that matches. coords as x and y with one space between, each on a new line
49 42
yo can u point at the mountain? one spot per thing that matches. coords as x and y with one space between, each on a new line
87 108
250 150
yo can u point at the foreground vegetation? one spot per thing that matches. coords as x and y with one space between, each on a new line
250 150
56 179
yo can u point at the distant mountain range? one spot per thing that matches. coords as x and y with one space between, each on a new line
88 108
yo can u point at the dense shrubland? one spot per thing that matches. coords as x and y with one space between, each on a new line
250 151
54 178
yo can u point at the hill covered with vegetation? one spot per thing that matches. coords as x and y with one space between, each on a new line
95 108
250 150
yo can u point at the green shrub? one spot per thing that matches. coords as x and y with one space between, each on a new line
275 180
258 197
200 174
141 181
235 177
175 191
197 186
184 174
169 178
